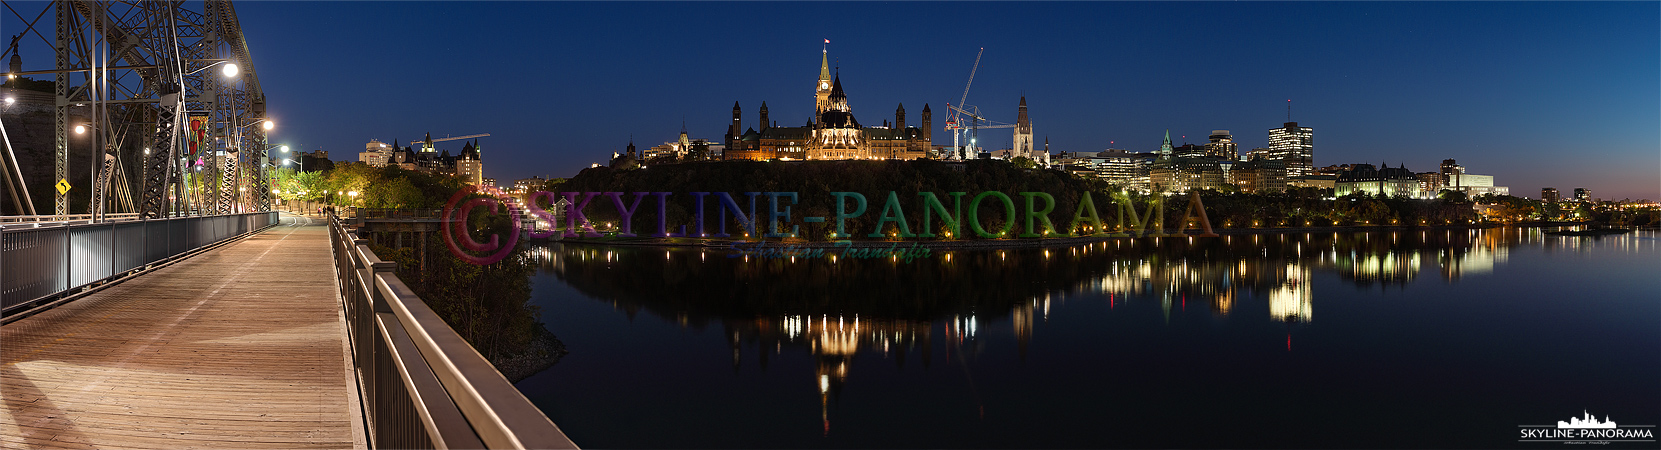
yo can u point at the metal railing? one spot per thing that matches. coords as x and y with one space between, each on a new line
388 213
40 261
422 385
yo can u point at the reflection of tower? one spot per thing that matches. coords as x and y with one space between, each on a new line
1021 316
1290 302
1223 302
833 372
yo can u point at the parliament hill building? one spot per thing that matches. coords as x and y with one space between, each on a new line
832 134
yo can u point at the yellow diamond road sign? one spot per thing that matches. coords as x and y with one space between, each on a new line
63 187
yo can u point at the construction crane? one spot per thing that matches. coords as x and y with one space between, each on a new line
953 124
976 122
427 144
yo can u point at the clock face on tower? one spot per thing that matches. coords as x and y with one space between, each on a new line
822 85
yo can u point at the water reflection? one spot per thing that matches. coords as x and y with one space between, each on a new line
838 308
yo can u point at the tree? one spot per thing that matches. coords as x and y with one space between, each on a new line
1022 162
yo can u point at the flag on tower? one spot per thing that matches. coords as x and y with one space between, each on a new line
827 41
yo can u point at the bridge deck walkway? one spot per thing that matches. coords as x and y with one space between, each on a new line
239 347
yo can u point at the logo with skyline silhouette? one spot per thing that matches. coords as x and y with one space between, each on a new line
1587 429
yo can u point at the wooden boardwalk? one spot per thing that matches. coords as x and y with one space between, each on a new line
239 347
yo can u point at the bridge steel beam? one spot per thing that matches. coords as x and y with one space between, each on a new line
152 61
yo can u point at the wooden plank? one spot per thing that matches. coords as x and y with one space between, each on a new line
242 346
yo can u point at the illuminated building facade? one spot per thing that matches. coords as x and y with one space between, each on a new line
833 133
1389 181
1175 173
1259 176
1550 195
1454 178
1293 145
376 153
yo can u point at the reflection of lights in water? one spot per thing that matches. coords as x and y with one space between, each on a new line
1291 300
824 383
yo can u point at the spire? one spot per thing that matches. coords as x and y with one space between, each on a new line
838 99
824 62
1165 148
1022 124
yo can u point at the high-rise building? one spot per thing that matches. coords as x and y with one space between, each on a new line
375 153
1222 145
1550 195
1295 146
1582 194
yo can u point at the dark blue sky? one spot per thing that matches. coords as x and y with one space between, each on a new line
1538 94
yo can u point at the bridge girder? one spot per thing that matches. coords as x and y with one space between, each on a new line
136 72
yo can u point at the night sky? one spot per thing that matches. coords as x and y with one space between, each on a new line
1562 95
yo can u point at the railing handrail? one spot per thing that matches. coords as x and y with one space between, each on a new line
496 412
45 263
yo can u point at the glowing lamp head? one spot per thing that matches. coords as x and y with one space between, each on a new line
230 70
80 129
269 125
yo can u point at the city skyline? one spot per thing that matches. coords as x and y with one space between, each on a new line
1535 93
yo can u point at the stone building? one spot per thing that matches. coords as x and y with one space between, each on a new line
833 133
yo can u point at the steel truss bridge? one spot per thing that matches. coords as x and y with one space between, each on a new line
149 82
175 311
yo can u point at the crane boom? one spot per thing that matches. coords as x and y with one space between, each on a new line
952 122
429 142
971 76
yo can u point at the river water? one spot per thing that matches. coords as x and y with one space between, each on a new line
1436 338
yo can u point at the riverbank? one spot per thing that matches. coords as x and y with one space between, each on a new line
544 351
949 244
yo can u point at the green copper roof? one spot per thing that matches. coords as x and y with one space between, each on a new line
824 66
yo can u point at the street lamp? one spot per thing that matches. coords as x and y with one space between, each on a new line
230 69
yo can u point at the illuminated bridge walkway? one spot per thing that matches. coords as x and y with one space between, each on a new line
243 346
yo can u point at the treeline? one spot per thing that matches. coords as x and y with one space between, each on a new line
1309 207
376 187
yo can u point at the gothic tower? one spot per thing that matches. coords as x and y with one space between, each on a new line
822 87
764 122
735 129
928 134
1023 134
899 117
